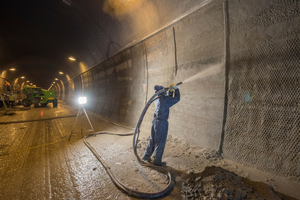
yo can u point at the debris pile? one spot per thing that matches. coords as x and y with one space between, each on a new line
217 183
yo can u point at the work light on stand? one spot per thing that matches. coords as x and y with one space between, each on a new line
82 101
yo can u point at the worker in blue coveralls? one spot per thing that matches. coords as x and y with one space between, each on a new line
159 127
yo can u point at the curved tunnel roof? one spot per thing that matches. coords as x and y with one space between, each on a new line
37 37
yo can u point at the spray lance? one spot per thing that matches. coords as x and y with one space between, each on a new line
170 88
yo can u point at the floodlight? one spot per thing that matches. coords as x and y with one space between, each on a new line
82 100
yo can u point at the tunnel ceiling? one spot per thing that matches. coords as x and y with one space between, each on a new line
37 37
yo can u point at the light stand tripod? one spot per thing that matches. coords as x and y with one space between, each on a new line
79 115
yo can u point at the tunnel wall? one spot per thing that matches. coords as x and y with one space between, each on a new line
119 87
2 85
262 121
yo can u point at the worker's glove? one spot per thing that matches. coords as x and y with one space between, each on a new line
173 87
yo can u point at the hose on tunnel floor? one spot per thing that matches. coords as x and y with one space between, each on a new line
118 184
34 120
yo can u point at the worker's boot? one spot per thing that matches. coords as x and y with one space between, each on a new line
159 163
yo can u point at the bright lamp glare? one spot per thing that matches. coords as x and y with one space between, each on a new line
72 58
82 100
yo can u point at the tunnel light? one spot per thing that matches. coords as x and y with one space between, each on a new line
27 81
61 73
23 77
12 69
56 79
72 58
82 100
31 84
53 82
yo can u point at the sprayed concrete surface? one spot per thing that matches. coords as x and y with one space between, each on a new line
38 162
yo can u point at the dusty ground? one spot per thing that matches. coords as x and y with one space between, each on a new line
38 162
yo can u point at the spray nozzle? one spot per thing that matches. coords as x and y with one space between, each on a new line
162 91
172 88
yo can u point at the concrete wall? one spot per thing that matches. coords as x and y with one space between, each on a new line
262 128
2 85
119 87
263 74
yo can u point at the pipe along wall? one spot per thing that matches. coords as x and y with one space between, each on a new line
262 121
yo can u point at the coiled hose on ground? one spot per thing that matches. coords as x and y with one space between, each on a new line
119 185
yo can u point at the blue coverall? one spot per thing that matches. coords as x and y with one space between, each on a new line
159 127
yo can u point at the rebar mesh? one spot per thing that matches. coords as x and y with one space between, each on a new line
263 123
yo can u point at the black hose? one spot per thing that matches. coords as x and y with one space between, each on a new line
118 184
179 83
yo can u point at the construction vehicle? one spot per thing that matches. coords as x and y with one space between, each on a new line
36 95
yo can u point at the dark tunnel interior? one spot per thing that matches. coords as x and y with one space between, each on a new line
239 111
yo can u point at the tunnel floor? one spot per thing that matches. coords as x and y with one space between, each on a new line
38 162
